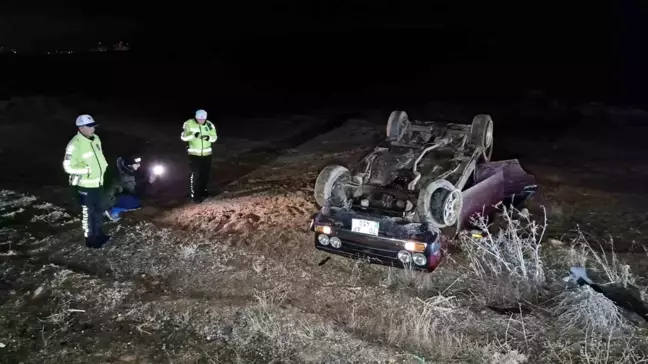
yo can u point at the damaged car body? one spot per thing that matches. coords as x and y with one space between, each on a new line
426 176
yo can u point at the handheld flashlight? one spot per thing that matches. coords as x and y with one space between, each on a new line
158 170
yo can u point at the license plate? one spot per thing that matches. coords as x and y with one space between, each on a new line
364 227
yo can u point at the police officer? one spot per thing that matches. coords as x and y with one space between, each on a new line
199 133
85 163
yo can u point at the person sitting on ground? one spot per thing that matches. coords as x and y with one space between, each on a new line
122 191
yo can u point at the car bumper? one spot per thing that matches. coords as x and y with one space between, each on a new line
377 249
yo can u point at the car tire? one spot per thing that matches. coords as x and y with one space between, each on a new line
481 135
397 125
328 188
440 204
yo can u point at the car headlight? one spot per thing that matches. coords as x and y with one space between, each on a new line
323 239
404 256
419 259
335 242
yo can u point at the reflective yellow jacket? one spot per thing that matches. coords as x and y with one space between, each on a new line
198 145
84 161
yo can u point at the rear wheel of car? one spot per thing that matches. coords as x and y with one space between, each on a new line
440 204
331 186
397 125
481 135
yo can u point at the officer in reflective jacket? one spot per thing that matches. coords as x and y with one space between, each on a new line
199 133
85 163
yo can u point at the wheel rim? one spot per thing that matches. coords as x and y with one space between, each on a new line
451 207
488 142
488 137
402 120
488 152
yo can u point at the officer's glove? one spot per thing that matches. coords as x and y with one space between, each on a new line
205 137
196 134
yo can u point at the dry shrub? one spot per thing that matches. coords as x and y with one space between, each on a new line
613 270
508 263
594 329
585 309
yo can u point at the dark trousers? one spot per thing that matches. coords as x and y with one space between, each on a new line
91 200
200 174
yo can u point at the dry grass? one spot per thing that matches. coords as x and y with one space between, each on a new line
511 265
406 277
12 200
598 348
266 309
427 328
508 262
305 338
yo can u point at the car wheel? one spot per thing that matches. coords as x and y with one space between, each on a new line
397 125
440 204
481 135
331 186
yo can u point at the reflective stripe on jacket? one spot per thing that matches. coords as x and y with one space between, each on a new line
197 145
84 161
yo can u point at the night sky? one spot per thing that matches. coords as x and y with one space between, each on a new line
33 25
603 29
604 42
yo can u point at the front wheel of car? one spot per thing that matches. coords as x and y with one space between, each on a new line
331 186
440 204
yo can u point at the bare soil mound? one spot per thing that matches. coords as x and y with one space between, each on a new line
244 214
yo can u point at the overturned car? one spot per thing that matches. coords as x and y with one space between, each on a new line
425 177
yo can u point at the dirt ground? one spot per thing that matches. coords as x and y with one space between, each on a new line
237 279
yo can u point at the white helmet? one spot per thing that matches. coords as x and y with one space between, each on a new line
85 120
201 114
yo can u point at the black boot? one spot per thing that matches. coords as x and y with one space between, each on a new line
93 243
104 239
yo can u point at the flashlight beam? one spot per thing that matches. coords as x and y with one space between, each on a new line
158 170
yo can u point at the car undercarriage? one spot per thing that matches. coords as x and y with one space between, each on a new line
410 187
